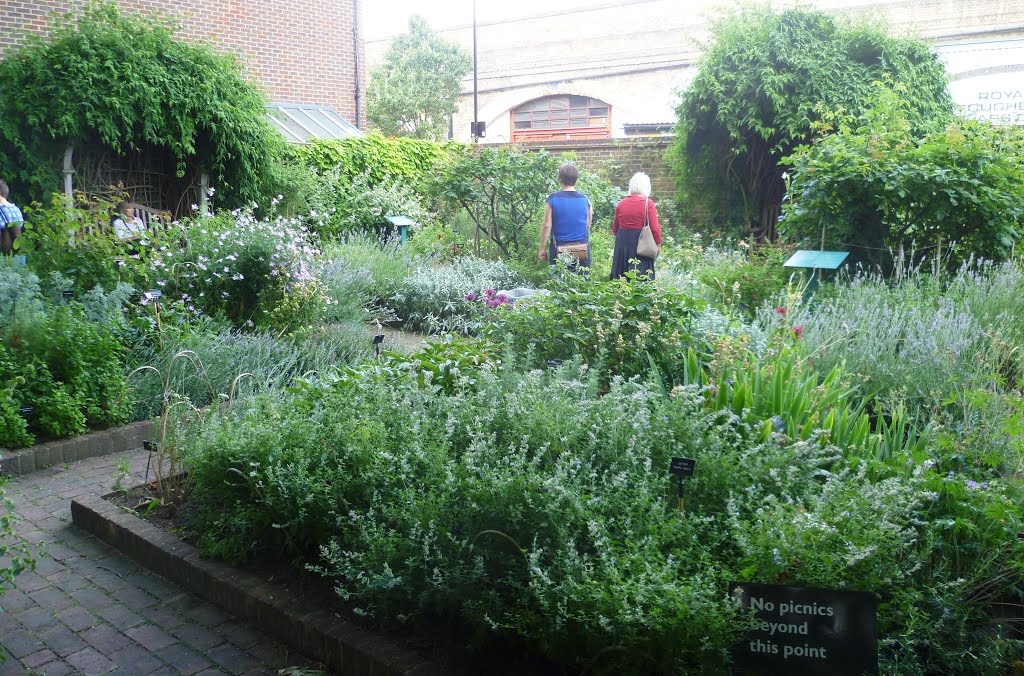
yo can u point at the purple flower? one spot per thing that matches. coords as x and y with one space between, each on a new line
972 484
493 302
502 298
471 296
489 293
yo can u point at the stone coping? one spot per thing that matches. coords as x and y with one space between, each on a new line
94 444
301 623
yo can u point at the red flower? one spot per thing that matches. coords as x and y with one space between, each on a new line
798 332
781 311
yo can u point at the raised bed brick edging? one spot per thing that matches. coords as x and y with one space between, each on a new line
316 633
94 444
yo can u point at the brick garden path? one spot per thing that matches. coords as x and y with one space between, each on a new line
87 609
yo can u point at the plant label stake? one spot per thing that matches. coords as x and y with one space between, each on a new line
150 446
681 468
67 295
154 297
377 340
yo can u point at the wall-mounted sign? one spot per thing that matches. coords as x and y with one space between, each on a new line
804 631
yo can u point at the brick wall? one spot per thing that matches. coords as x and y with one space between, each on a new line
299 51
618 159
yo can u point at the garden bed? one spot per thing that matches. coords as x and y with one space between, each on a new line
293 606
291 618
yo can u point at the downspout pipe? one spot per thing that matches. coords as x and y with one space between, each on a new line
359 92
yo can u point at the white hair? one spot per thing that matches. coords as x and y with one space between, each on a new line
640 184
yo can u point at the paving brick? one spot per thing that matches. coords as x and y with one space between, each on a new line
150 636
92 596
120 615
197 636
185 661
77 618
36 619
52 599
232 659
136 659
56 668
88 661
20 643
15 600
62 640
105 638
38 659
163 617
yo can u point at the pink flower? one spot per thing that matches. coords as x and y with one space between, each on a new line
470 296
781 311
489 293
798 332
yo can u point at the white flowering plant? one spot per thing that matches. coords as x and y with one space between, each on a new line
256 272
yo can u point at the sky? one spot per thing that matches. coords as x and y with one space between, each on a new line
384 18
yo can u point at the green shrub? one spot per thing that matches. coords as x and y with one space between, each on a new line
77 243
362 274
251 271
525 504
878 185
341 207
122 83
410 161
66 368
617 325
750 279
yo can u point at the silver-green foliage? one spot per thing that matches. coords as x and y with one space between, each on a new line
433 297
921 341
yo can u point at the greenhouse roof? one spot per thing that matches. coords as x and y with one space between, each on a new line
301 124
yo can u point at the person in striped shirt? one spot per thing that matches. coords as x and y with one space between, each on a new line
12 223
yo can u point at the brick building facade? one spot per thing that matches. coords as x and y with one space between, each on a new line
299 51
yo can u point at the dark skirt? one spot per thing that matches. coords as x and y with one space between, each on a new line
625 259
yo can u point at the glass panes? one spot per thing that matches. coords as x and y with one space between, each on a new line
560 112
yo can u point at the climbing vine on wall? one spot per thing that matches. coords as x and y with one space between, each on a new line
125 83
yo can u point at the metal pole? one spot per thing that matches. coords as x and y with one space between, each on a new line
476 122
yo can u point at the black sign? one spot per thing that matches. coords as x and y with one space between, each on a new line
26 411
460 246
682 467
378 339
806 631
68 295
149 445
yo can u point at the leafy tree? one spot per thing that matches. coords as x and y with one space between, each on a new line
416 89
124 84
501 189
876 184
761 85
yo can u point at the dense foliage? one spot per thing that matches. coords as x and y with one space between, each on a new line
64 360
411 161
875 185
415 89
762 82
123 83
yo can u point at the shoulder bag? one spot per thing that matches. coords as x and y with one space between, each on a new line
646 246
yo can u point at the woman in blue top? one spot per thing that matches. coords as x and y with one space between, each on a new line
567 218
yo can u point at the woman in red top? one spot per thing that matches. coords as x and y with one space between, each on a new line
630 215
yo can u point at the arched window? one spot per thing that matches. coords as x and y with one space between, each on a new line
562 117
